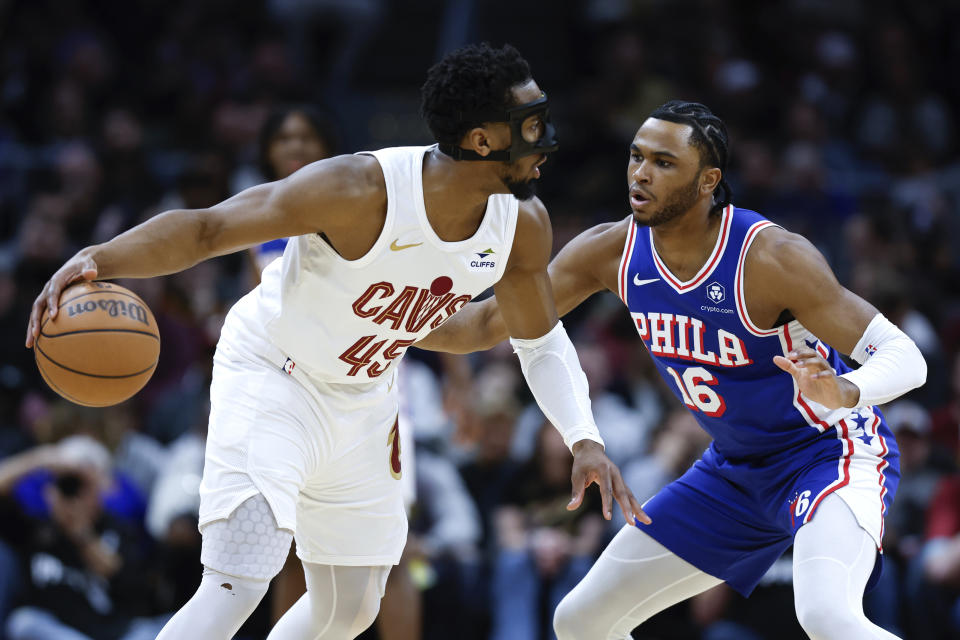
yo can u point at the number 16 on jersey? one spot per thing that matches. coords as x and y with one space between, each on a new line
695 386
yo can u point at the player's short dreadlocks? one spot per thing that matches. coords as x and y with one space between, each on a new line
709 136
475 78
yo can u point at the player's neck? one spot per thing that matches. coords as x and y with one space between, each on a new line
455 194
686 242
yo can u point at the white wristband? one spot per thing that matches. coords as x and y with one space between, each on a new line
890 362
553 373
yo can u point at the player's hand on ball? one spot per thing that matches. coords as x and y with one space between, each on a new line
79 267
817 380
591 464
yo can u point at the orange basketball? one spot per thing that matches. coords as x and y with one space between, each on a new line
101 348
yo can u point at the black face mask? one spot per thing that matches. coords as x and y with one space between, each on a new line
519 146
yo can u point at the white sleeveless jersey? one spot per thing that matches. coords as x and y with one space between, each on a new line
343 321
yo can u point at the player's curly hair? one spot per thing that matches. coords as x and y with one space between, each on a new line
477 77
709 137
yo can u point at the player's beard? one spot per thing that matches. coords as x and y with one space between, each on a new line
522 190
679 202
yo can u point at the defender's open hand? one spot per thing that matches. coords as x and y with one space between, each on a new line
817 380
591 464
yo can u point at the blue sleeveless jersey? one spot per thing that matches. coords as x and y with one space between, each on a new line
776 455
713 357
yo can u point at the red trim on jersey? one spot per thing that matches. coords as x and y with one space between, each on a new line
738 281
718 250
799 397
625 260
822 350
845 470
880 467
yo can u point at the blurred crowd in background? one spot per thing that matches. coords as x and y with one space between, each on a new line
844 121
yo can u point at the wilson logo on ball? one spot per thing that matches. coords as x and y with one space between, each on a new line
113 308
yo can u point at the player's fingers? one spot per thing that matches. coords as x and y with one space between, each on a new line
785 364
628 503
640 514
606 493
811 359
54 288
578 483
36 313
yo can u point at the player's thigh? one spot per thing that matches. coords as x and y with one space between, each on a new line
634 578
341 601
833 556
351 512
261 439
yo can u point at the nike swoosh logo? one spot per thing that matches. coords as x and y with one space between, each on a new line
400 247
637 281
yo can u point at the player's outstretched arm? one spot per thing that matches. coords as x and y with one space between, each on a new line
550 364
585 265
324 196
784 271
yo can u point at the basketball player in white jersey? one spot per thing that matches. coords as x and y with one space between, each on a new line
386 246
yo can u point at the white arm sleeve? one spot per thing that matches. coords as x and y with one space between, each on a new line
553 373
890 363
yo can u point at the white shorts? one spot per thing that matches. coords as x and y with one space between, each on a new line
323 456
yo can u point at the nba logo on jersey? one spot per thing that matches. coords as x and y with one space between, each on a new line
288 366
716 292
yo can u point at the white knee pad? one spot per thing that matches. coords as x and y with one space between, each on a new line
248 544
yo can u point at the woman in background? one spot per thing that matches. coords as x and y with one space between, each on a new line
291 138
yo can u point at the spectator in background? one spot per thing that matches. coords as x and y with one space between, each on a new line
291 138
934 596
922 466
543 549
84 570
946 419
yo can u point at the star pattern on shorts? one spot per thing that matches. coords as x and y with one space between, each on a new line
862 426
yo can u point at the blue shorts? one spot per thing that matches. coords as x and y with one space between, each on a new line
733 518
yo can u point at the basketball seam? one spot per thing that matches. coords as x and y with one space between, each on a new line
94 375
70 333
54 385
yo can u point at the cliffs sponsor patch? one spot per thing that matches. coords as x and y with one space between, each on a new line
482 260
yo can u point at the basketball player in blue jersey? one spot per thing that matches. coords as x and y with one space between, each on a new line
745 321
303 439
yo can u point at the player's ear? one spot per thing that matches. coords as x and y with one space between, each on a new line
709 179
478 140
